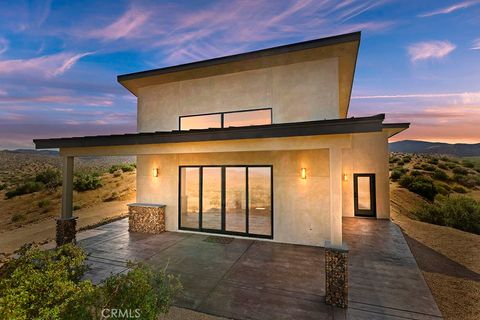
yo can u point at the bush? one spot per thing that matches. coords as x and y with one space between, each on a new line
428 167
459 189
457 212
16 217
443 189
416 173
407 159
440 175
420 185
433 161
468 164
51 178
417 167
394 159
117 173
122 167
460 170
43 203
26 188
442 166
400 162
84 182
396 174
76 207
2 186
47 285
465 181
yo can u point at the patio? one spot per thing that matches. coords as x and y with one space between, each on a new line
250 279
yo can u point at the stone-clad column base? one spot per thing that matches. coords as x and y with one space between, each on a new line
66 230
336 275
146 218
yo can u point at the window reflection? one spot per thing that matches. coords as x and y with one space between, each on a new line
230 119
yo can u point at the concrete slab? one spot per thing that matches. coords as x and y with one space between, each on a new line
252 279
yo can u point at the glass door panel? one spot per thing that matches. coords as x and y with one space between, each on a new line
235 199
364 196
212 198
260 200
190 197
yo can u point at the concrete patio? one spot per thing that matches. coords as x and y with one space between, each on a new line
250 279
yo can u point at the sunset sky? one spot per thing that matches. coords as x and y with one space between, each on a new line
419 61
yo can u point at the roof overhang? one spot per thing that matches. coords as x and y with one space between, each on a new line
296 129
344 47
395 128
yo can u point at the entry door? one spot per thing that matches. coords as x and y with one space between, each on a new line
364 194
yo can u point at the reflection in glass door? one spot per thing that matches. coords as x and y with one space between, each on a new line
227 199
212 198
364 194
235 199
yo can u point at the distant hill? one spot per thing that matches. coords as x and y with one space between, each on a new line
457 149
33 151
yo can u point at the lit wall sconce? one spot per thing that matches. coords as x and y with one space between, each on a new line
345 177
155 172
304 173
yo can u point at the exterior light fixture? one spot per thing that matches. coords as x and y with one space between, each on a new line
345 177
304 173
155 172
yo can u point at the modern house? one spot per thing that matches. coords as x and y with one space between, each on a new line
257 144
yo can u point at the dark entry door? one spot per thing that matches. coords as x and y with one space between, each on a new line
364 194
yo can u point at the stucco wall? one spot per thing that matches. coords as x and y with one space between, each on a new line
296 92
301 207
368 154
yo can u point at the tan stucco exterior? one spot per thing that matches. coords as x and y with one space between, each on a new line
301 207
297 92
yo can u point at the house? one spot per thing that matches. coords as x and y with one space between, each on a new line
257 144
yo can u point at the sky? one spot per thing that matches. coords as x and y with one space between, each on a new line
419 61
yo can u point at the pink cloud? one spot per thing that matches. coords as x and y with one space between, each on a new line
48 66
430 50
476 44
124 27
450 9
59 99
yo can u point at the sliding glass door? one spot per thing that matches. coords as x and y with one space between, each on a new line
227 199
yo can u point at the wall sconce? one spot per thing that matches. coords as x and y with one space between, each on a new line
345 177
155 172
304 173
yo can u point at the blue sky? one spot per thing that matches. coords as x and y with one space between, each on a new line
419 61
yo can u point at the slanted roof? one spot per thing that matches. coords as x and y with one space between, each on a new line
344 47
309 128
395 128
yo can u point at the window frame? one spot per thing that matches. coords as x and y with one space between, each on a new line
222 117
223 193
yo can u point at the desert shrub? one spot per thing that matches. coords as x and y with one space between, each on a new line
460 170
468 164
417 167
117 173
452 165
400 162
459 189
47 285
440 175
415 173
446 159
442 166
16 217
420 185
43 203
407 159
458 212
433 161
26 188
122 167
51 178
76 207
428 167
396 174
2 186
465 181
477 180
85 181
443 189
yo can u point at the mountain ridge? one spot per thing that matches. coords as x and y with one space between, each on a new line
417 146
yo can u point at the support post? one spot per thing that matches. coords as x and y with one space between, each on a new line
66 223
336 253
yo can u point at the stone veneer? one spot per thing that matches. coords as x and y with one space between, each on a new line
336 275
66 230
146 218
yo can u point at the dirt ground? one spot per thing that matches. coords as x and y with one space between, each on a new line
449 258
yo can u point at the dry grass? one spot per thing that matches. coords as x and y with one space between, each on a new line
448 258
